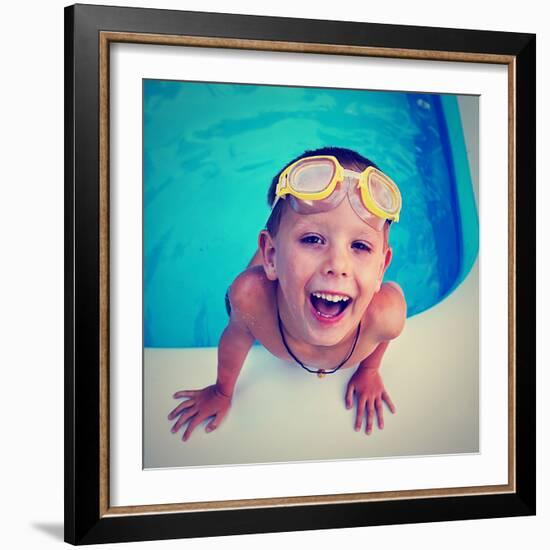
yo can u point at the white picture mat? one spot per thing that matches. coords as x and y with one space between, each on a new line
130 485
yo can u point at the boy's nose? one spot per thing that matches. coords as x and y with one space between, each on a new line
337 264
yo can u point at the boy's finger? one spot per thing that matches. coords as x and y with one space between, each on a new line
360 412
181 407
195 421
370 416
349 396
379 413
388 401
212 425
184 393
216 421
183 419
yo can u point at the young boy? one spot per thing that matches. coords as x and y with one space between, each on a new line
313 293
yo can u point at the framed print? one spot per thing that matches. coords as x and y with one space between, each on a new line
299 274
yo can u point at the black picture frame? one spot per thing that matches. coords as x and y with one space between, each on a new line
88 517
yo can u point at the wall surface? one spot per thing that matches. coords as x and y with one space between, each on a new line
31 293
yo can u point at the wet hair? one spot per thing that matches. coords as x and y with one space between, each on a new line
346 157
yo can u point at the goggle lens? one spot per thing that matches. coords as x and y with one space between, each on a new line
381 192
308 177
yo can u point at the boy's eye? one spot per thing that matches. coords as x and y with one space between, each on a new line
360 245
311 239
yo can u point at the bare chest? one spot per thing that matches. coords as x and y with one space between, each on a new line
268 334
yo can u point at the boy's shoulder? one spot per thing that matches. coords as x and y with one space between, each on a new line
251 290
387 312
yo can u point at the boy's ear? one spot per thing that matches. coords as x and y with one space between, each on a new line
384 265
267 250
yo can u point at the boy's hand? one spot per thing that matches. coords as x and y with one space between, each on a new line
200 405
369 390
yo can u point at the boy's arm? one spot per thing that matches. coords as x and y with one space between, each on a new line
366 383
215 400
388 318
234 345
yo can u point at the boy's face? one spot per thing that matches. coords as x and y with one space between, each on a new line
329 265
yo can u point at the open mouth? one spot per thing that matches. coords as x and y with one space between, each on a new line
328 305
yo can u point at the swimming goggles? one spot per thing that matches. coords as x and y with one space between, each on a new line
320 183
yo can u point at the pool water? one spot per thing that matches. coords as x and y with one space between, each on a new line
210 151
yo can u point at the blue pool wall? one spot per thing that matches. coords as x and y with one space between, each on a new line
210 151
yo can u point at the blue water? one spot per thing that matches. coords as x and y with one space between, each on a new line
211 150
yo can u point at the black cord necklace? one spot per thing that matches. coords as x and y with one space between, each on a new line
320 372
